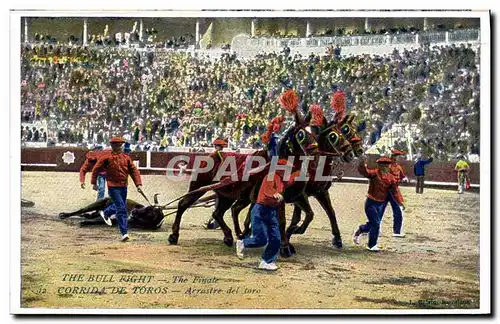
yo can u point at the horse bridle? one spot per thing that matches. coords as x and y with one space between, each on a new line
299 141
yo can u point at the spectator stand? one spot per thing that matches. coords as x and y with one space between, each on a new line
246 46
34 134
182 98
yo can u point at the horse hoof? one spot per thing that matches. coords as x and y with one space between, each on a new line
299 230
285 252
228 241
292 248
172 239
212 226
337 243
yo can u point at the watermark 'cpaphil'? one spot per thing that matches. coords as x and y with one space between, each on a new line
304 167
223 171
250 168
171 174
275 166
202 164
253 164
319 171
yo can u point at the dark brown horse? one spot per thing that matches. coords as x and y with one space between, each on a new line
332 145
319 189
296 142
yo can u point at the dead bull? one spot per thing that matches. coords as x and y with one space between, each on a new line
140 216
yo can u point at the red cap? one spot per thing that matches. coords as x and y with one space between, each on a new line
397 152
117 139
384 160
220 142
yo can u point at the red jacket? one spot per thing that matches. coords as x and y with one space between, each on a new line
118 167
270 187
381 184
90 161
397 171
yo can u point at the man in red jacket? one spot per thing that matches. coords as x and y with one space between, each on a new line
264 219
88 165
398 172
118 166
382 182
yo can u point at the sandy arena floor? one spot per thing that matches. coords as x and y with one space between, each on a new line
435 266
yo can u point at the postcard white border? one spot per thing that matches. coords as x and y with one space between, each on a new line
485 240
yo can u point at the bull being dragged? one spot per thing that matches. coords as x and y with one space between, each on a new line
140 216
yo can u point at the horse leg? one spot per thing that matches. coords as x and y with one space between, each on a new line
325 202
295 220
182 206
235 212
222 205
95 206
286 248
303 204
248 222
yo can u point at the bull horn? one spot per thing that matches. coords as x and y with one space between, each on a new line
155 199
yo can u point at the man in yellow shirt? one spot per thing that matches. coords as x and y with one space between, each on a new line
462 167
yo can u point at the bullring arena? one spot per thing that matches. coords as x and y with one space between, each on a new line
435 266
342 89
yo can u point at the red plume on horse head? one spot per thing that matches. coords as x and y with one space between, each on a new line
338 104
317 115
273 127
289 100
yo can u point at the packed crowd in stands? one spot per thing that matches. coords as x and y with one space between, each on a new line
132 37
161 98
331 32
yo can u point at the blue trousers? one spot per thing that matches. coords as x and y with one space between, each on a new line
373 210
397 213
101 187
119 197
110 210
265 230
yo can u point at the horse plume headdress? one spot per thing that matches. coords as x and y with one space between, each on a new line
317 115
338 105
289 100
272 128
270 138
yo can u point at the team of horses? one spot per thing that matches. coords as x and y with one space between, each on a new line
325 143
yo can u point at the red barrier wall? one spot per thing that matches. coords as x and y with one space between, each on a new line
436 171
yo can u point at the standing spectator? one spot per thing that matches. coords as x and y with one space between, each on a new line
136 134
462 168
118 166
36 135
382 183
337 51
27 134
419 171
44 135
